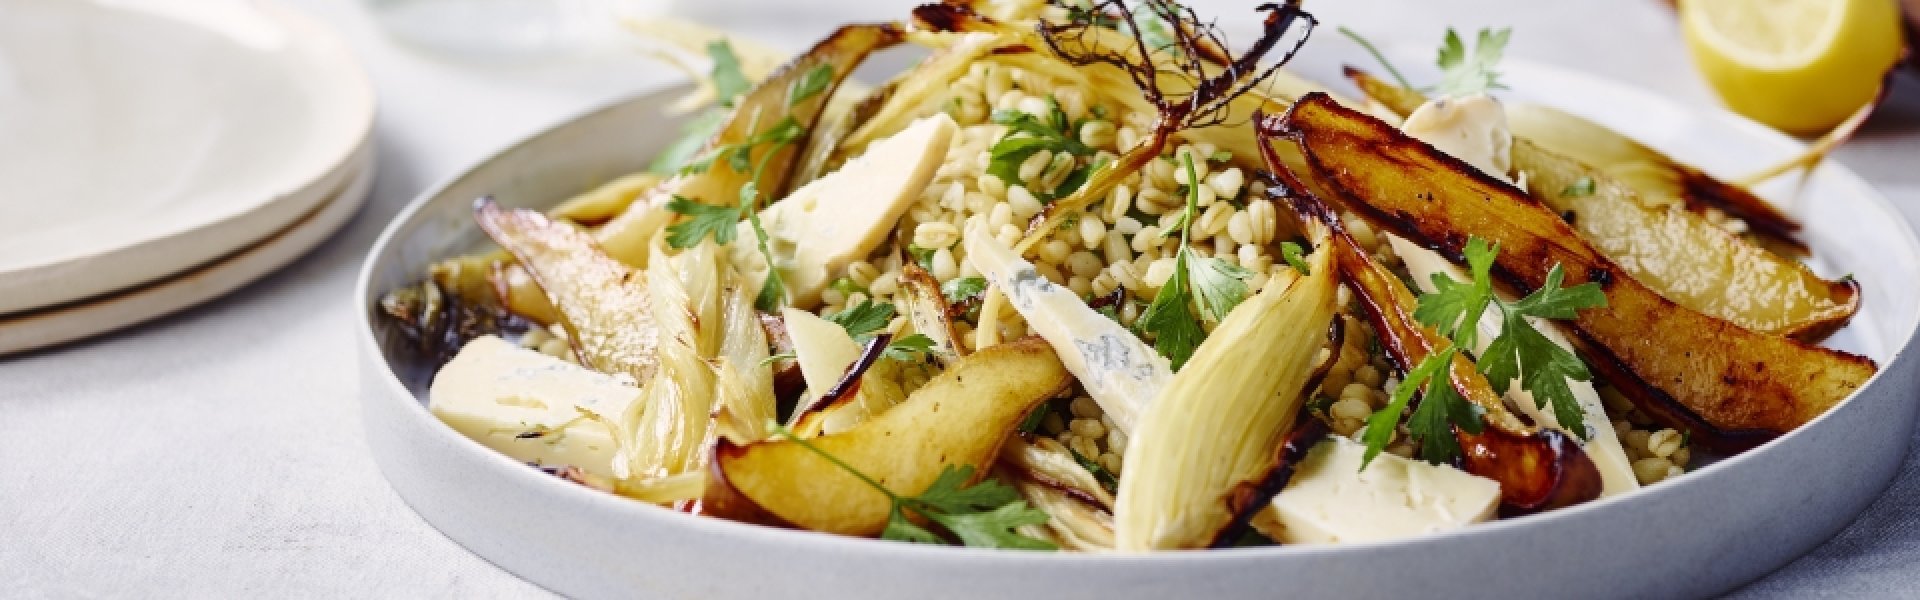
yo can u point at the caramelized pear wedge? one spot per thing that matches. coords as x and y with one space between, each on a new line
1214 428
1728 386
603 304
961 417
1678 253
1687 259
1538 469
1642 169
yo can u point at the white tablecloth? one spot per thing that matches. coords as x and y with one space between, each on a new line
218 452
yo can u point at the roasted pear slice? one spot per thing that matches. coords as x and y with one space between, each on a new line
1645 170
1538 469
1729 386
603 304
1678 253
1688 260
1215 426
961 417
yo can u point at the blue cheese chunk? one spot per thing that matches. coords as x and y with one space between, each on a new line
531 406
1121 373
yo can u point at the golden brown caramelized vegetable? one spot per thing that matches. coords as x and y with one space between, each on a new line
959 418
1538 469
602 303
1642 169
1729 386
1685 258
1676 252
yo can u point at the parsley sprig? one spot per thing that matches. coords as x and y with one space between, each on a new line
1520 351
1466 74
1214 285
863 320
728 82
718 221
1028 134
1441 409
1462 72
982 515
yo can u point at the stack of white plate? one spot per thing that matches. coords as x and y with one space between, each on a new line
155 154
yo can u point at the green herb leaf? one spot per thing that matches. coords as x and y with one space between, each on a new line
1543 367
994 528
778 357
729 82
1026 135
865 318
950 493
1031 424
922 256
773 292
909 348
1454 308
901 529
1170 317
1294 254
1580 188
961 289
1155 32
1220 156
702 220
1100 473
1441 409
1463 74
1381 425
1219 286
809 85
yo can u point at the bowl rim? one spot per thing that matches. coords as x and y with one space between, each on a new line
393 390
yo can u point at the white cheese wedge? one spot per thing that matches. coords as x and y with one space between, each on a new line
1330 500
822 347
530 406
837 219
1474 129
1121 373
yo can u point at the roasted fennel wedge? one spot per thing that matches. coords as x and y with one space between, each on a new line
1728 386
1629 212
1216 424
603 303
1644 170
959 418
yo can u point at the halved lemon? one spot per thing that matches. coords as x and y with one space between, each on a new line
1799 65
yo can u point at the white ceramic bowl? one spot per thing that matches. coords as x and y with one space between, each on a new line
1699 534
